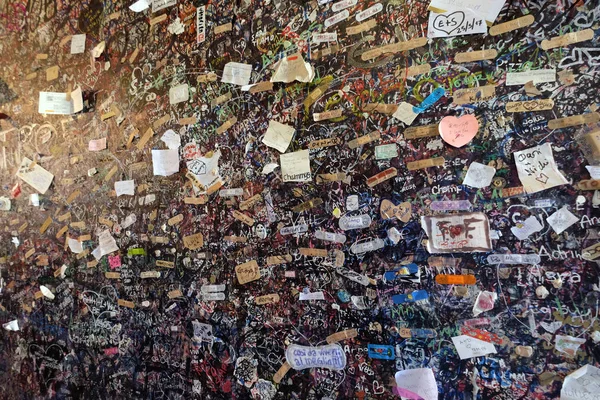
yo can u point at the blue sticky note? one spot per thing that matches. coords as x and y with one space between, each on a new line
381 351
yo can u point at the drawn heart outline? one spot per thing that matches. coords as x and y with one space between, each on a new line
441 21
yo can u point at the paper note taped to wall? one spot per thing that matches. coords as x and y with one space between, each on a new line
469 347
278 136
582 384
165 162
488 9
418 381
536 76
330 356
537 169
295 167
455 23
468 232
237 73
293 68
36 176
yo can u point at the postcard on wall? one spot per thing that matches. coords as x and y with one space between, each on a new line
456 233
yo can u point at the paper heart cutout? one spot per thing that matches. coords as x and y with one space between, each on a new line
443 22
458 132
551 327
402 211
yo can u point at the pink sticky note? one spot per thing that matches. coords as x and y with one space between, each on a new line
458 132
114 261
97 144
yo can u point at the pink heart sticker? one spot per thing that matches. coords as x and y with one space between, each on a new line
458 132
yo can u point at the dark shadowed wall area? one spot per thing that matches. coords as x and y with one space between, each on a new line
289 199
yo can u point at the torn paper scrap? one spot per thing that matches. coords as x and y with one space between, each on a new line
12 325
36 177
293 68
106 245
278 136
537 169
125 188
165 162
75 245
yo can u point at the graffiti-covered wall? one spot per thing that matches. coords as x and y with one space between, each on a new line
268 199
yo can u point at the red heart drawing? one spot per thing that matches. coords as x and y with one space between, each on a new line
458 132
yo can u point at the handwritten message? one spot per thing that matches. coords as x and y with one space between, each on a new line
331 356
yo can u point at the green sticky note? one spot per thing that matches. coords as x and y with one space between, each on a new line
386 151
136 252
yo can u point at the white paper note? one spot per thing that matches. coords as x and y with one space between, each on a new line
295 167
537 169
527 228
562 220
278 136
179 94
594 171
205 170
405 113
106 245
171 139
237 73
200 24
469 347
125 188
165 162
78 44
12 325
158 5
139 6
581 384
488 9
479 175
420 381
455 23
293 68
75 245
77 100
568 344
36 177
536 76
